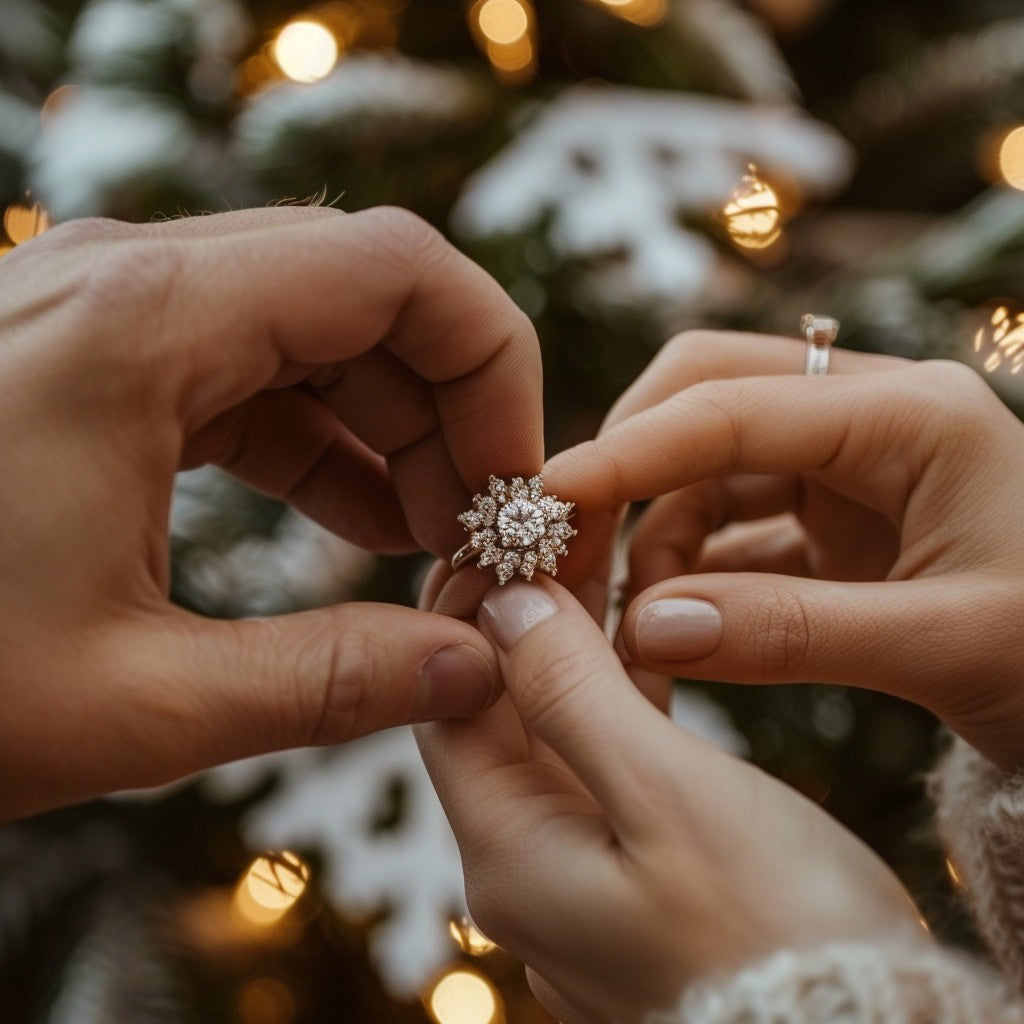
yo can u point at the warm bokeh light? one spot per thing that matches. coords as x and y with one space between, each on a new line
469 938
305 51
752 215
1011 158
503 21
954 875
639 12
518 59
266 1001
1002 341
463 997
271 886
23 221
505 30
57 100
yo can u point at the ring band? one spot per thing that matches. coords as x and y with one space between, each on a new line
820 332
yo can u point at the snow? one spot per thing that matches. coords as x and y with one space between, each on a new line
615 167
329 801
101 140
386 96
298 565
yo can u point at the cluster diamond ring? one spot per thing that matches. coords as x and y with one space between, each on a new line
517 528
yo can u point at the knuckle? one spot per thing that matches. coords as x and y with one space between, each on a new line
688 346
124 303
334 684
952 398
781 633
547 687
406 236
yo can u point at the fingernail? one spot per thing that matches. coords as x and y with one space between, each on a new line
512 610
454 682
678 629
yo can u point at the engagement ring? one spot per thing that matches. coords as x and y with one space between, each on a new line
517 528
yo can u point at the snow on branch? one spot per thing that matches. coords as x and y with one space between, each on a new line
384 97
615 169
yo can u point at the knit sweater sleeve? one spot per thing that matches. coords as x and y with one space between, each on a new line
980 819
906 979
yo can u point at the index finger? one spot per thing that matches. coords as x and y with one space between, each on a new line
267 301
334 288
870 433
701 355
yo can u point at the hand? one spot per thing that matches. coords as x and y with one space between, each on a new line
875 544
618 856
354 365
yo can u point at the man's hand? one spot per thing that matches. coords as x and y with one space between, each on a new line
356 366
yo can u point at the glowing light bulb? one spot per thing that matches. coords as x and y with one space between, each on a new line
271 886
503 21
22 222
639 12
469 938
954 875
1011 158
305 51
464 997
1001 341
752 215
505 30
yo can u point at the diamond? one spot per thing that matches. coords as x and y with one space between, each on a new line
516 527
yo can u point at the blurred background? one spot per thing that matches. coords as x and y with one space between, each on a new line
625 168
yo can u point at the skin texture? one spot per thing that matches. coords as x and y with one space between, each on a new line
618 856
355 365
856 529
853 529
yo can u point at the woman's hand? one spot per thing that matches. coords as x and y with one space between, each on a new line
618 856
859 528
356 366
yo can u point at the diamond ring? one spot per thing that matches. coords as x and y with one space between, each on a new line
517 528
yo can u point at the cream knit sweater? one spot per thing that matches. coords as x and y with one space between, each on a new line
980 818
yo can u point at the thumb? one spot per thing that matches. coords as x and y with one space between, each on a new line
324 676
571 691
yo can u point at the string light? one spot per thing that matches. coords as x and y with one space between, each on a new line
639 12
305 50
752 215
271 886
464 997
506 32
23 221
1003 338
953 873
469 938
1011 158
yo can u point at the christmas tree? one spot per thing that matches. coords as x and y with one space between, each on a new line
626 169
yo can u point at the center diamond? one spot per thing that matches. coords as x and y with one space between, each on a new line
520 524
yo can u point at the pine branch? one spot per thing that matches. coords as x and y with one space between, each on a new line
740 47
124 968
966 71
41 875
